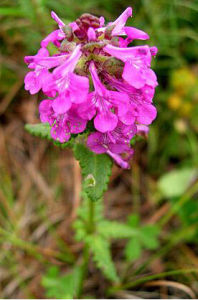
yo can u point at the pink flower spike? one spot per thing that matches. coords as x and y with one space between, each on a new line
94 78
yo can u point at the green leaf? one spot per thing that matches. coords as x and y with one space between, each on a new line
102 256
146 237
133 249
96 170
42 130
176 182
115 230
133 220
63 287
149 236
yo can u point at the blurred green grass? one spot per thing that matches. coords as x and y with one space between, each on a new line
32 225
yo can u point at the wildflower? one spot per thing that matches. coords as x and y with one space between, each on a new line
114 143
104 104
62 124
94 77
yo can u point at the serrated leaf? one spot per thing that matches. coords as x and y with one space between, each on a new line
94 166
176 182
42 130
113 229
63 287
133 249
100 248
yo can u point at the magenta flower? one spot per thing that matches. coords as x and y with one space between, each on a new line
35 80
104 103
140 108
62 124
137 61
94 77
114 143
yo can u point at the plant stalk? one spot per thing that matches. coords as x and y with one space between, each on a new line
86 251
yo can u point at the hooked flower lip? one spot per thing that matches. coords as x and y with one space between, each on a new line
94 75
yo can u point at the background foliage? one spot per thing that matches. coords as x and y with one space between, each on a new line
153 239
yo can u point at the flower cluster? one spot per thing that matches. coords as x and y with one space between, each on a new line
93 77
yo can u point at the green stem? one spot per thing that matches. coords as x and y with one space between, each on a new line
86 252
83 271
91 221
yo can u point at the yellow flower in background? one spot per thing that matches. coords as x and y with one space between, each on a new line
182 80
186 109
174 102
184 97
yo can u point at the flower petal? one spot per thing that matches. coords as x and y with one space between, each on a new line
121 21
78 88
119 160
69 65
87 110
105 122
146 114
46 112
95 142
57 19
60 132
91 34
136 34
140 54
75 122
53 37
32 83
61 104
134 76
